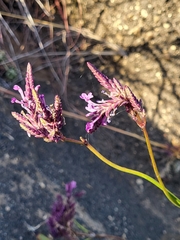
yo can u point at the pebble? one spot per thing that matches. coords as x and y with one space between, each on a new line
137 69
139 181
158 75
125 27
42 185
173 47
111 218
156 19
149 35
137 7
120 27
166 25
6 156
144 13
116 209
7 208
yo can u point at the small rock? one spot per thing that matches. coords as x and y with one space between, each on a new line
149 35
111 218
42 185
158 75
173 47
156 18
144 13
166 25
139 181
7 208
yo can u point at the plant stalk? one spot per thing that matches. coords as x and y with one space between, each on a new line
159 185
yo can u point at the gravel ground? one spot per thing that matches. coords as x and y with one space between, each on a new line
149 32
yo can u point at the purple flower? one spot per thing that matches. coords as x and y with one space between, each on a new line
119 95
61 220
40 120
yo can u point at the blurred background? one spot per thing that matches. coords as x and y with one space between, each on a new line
137 42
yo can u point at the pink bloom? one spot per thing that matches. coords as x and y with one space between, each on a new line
102 111
40 120
61 219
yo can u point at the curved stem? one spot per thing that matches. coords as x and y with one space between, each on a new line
172 197
155 166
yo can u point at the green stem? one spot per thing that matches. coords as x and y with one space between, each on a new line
171 196
155 167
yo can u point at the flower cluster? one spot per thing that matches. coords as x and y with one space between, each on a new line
61 219
40 120
119 95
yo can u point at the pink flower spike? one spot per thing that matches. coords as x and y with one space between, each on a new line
102 111
61 219
39 120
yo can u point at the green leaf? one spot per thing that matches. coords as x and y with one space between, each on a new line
175 200
11 73
42 237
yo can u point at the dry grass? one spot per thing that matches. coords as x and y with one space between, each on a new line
38 32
